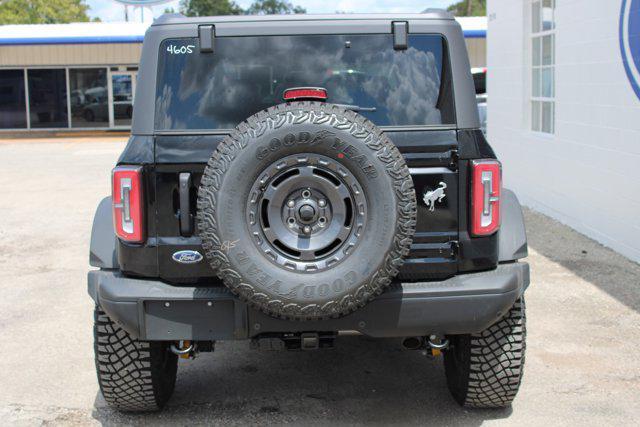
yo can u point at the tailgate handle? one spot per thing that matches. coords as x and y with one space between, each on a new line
186 219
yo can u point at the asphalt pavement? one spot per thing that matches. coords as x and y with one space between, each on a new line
582 365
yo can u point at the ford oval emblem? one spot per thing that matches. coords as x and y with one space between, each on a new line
187 257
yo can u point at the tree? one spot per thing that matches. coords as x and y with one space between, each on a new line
469 8
229 7
273 7
43 11
209 7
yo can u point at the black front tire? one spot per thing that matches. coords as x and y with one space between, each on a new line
133 375
484 370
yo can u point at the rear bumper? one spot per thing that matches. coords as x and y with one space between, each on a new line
154 310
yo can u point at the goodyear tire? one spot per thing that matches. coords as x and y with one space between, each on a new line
306 211
485 370
133 375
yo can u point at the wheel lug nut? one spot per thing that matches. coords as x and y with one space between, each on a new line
291 203
306 229
306 194
322 203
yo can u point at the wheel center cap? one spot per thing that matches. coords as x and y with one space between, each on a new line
306 212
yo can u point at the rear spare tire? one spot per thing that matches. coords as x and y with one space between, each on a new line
306 211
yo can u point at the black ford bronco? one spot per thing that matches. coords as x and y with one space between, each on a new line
290 179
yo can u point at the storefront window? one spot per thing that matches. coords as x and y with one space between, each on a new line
48 98
13 112
89 97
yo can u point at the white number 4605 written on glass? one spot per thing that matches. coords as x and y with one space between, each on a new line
180 50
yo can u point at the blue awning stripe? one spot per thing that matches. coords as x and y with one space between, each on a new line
72 40
475 34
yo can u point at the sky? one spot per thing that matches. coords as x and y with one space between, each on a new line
109 10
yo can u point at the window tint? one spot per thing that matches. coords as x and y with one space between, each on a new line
47 98
247 74
13 111
88 96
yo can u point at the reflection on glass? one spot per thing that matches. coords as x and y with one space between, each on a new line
47 98
248 74
536 82
547 117
89 98
13 112
547 82
536 51
535 116
122 87
535 17
547 15
547 50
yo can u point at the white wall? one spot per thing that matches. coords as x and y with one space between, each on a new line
587 175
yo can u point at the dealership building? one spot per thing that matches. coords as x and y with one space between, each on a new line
564 111
83 75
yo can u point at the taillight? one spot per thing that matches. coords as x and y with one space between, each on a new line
128 207
299 93
486 185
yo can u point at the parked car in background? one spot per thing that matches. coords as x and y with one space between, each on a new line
480 83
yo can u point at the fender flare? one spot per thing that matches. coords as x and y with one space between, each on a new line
512 237
102 252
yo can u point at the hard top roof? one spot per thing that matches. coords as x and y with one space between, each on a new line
430 14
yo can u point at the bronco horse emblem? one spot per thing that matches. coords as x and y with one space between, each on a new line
431 197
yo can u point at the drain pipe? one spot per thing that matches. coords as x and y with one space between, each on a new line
413 343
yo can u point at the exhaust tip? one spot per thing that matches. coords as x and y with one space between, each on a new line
413 343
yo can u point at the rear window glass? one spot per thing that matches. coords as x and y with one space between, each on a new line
248 74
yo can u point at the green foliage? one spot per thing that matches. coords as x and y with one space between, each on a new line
229 7
209 7
469 8
43 11
273 7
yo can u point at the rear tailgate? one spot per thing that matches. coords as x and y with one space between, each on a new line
431 157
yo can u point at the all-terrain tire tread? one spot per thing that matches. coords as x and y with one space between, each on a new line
130 372
497 361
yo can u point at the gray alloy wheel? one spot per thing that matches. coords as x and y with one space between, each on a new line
306 215
306 211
